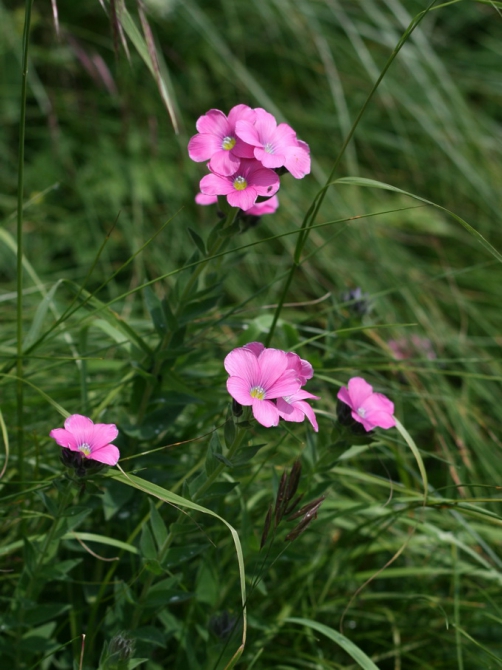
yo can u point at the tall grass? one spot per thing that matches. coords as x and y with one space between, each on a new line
124 317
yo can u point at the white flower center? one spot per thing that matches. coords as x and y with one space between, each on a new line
257 392
228 143
85 449
269 148
240 183
362 412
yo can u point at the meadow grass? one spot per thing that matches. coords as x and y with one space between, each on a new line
120 300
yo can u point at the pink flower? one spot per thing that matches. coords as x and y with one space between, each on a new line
243 186
289 406
294 408
89 439
266 207
259 377
274 145
217 141
370 409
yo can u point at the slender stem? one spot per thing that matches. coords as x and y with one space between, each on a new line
20 197
215 247
311 215
238 440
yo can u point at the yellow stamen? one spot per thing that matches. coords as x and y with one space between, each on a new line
240 183
85 449
228 143
257 392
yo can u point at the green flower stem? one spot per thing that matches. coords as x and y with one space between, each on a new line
19 268
236 444
166 340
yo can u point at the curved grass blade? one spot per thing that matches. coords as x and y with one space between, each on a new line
357 654
173 499
372 183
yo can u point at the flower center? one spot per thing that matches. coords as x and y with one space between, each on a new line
269 148
85 449
362 412
257 392
228 143
240 183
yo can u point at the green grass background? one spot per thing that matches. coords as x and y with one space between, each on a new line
105 174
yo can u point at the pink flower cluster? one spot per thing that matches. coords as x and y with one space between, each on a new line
270 381
244 150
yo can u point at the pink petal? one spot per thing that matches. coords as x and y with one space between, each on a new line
297 162
287 385
202 147
289 412
104 433
244 199
202 199
266 413
82 428
344 395
266 207
242 149
303 145
240 390
108 454
255 347
266 182
302 395
240 112
309 413
265 124
214 123
377 402
302 367
243 363
273 363
64 438
268 160
213 184
224 163
247 133
381 419
359 390
284 136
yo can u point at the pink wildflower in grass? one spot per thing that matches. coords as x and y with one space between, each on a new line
294 408
243 187
289 406
217 141
91 440
256 379
274 145
368 408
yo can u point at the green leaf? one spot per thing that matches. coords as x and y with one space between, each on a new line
178 555
147 545
158 526
40 314
154 307
198 241
213 451
357 654
229 431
